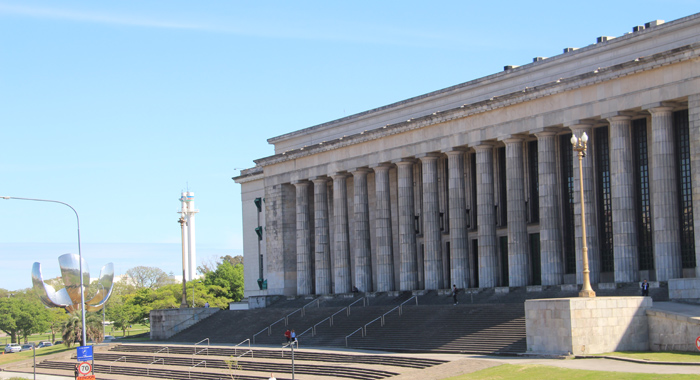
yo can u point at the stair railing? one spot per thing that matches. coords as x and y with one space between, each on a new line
202 350
364 300
382 317
303 308
189 370
405 302
153 362
305 331
235 349
294 342
114 361
313 331
166 349
353 333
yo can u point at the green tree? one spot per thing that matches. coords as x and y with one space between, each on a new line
148 277
124 315
9 309
56 318
22 315
228 277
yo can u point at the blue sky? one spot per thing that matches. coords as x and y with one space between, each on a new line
116 107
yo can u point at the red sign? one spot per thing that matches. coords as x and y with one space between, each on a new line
697 343
84 368
91 377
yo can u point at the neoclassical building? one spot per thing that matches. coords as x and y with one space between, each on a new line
478 185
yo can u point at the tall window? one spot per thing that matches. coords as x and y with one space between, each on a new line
685 188
533 173
503 243
502 217
605 231
643 200
536 268
567 170
471 215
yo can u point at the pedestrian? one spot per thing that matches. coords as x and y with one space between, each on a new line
288 335
454 293
645 288
206 305
294 336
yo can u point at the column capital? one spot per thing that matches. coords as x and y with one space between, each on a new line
455 150
546 131
484 145
580 123
319 179
660 108
423 156
380 165
404 161
618 116
340 175
512 138
362 170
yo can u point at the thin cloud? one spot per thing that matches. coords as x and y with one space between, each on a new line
365 34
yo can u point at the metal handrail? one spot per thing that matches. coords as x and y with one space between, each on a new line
305 331
258 333
364 303
313 333
235 350
166 349
404 302
334 314
400 307
153 362
114 361
353 333
189 370
269 328
303 308
204 349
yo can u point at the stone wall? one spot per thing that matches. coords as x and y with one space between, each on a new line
168 322
587 325
670 331
684 290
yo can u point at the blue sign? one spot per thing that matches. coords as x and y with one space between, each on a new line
84 353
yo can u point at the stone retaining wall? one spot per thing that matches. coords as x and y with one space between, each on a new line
168 322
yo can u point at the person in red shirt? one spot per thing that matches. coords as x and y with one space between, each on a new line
288 335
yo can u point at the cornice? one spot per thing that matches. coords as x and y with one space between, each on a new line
561 85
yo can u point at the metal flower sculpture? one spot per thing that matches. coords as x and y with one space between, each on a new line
69 297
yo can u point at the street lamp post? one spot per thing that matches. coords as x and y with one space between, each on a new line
579 145
80 255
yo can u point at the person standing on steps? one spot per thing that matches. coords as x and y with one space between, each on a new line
454 293
645 288
294 336
288 335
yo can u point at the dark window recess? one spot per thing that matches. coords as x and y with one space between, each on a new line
536 268
643 196
533 203
473 210
605 232
503 242
502 210
569 234
685 188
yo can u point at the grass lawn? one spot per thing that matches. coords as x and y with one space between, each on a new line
672 356
541 372
137 329
40 353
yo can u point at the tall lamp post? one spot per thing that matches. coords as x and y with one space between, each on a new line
80 255
579 145
183 223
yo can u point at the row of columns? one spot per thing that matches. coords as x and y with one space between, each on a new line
318 249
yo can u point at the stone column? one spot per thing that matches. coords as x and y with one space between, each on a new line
384 250
694 136
432 237
459 244
518 247
623 195
341 266
550 228
363 253
589 197
322 237
664 196
407 233
486 217
304 258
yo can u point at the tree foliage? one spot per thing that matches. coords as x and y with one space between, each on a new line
148 277
22 315
229 277
72 328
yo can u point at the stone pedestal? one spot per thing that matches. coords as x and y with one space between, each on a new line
685 290
587 325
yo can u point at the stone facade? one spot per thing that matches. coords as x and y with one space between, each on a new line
582 326
476 184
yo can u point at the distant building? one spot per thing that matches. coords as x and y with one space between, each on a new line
477 184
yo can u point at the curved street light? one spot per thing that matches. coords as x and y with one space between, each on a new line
82 287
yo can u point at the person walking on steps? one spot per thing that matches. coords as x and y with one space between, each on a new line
288 335
294 336
454 293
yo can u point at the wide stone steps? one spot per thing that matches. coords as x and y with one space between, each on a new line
299 355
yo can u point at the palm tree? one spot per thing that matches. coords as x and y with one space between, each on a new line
72 328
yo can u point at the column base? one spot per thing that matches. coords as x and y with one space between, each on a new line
586 293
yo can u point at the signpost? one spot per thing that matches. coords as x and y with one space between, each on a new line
84 353
697 343
84 368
